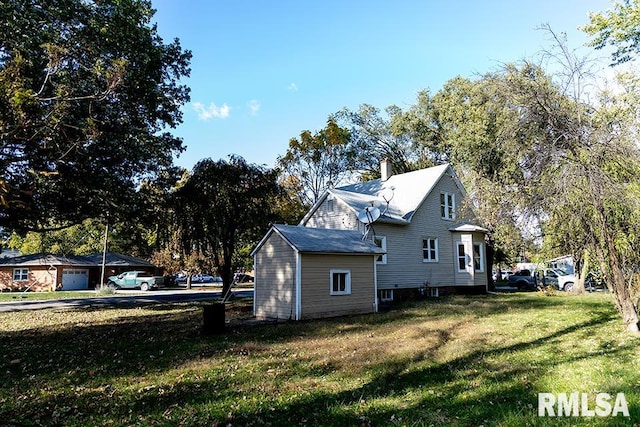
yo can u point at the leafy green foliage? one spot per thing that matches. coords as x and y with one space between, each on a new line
618 27
314 161
222 208
87 89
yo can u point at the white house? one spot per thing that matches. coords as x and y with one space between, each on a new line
429 238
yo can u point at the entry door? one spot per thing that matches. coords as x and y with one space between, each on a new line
73 279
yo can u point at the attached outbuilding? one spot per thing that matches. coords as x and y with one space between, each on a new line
304 273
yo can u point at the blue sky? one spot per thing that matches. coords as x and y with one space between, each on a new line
264 71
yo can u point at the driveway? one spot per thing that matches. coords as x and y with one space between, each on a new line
122 298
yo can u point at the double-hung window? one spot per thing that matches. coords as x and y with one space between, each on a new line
430 250
381 241
448 206
20 274
478 257
340 282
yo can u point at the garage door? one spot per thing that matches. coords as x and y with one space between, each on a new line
75 279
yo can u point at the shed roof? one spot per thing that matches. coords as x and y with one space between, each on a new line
323 240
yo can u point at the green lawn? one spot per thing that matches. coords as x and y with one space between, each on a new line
466 361
36 296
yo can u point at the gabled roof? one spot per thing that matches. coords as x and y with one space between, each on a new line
408 190
322 240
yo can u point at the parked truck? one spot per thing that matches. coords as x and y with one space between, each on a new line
523 280
134 280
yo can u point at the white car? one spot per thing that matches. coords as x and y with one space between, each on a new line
560 279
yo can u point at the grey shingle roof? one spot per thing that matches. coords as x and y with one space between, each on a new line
409 191
113 259
321 240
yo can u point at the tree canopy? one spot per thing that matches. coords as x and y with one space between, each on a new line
314 161
221 208
87 92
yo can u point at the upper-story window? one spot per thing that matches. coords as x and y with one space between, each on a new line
330 200
448 206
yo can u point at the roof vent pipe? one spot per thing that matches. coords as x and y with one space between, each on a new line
385 169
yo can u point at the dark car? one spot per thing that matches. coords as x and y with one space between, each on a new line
242 278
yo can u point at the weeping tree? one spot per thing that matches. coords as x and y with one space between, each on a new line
221 208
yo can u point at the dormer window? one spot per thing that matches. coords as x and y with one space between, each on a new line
448 206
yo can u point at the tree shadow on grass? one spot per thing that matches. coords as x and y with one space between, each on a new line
86 360
464 391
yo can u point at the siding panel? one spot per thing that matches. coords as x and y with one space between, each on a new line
275 278
316 298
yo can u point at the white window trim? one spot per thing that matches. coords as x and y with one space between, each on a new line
347 285
437 259
388 297
458 257
481 260
448 208
383 246
22 272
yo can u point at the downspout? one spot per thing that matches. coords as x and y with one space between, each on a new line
375 284
255 282
104 254
298 285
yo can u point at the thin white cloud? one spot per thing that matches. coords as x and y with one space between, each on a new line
293 87
212 111
254 106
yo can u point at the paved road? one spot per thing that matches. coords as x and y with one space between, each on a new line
122 298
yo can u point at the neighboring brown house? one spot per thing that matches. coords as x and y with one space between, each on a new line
337 267
49 272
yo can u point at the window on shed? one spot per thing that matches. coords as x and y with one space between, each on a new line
20 274
340 282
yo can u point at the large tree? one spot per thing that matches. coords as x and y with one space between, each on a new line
87 92
224 206
390 134
316 160
558 153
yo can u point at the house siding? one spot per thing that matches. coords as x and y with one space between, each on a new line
341 217
316 298
405 267
275 280
41 278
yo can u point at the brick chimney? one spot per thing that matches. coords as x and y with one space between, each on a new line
385 170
